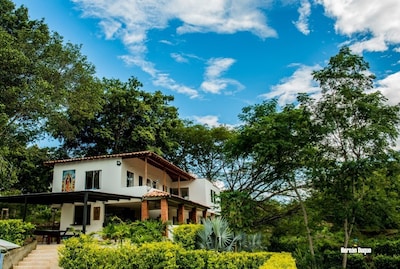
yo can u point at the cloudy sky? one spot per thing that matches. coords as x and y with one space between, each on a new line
218 56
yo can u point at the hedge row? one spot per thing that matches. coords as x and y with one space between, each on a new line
16 231
83 253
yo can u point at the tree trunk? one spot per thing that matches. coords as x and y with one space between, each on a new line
348 228
308 231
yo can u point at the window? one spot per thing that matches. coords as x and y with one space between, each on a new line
140 181
174 191
213 197
148 183
185 192
92 180
78 215
129 179
154 184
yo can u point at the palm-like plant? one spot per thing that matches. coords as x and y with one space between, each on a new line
217 235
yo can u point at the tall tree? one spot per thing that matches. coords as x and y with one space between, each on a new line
358 128
41 77
282 142
201 149
130 119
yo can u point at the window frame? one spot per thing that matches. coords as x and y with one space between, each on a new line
130 181
78 215
94 183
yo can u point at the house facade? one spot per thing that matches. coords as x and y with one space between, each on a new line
152 188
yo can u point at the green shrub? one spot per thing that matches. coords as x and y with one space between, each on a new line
192 259
157 255
16 231
387 262
138 232
186 235
232 260
85 252
389 248
280 261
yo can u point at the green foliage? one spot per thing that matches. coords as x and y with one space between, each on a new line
84 252
279 261
186 235
128 120
238 208
16 231
388 247
201 149
387 262
138 232
216 235
157 255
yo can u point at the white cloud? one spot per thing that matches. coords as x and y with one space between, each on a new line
304 12
130 21
160 79
164 80
213 80
222 16
209 120
377 18
390 88
179 58
300 82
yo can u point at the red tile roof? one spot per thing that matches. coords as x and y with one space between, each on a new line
152 158
156 193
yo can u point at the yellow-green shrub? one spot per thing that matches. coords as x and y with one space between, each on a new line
157 255
15 230
279 261
186 235
232 260
84 252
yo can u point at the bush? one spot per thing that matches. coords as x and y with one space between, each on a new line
280 261
138 232
186 235
389 248
16 231
387 262
85 252
233 260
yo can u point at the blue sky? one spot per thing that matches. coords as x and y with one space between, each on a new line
216 57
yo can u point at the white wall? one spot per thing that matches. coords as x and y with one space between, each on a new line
113 176
200 192
67 217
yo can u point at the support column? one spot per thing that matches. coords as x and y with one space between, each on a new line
85 212
145 210
193 215
205 213
164 210
181 214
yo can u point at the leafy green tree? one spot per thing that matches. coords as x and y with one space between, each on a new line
358 128
130 119
33 175
41 78
201 149
282 143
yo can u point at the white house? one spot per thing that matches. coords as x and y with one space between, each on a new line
132 186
